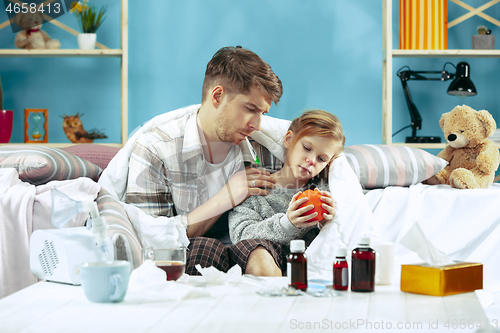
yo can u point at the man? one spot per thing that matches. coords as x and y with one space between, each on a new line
191 169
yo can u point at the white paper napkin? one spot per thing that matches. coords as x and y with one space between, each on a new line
213 276
148 283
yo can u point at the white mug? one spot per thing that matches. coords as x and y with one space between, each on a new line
105 281
384 262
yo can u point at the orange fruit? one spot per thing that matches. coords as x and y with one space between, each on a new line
314 199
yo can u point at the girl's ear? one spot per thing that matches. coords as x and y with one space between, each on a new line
288 139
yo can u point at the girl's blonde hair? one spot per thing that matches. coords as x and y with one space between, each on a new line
321 123
317 123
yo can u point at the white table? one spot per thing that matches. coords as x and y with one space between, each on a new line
52 307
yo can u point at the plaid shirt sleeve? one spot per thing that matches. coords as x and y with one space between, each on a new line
147 187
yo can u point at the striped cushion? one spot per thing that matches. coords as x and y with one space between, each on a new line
38 165
122 233
379 166
100 155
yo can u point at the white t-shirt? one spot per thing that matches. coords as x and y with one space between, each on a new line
217 175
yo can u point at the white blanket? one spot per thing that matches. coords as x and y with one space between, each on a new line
464 224
25 208
352 220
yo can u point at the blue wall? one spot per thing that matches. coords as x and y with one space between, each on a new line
430 97
328 53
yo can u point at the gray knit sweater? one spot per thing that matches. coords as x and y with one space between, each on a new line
265 217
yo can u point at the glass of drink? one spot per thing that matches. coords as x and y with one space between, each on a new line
172 261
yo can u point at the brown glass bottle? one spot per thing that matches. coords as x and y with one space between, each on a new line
363 267
297 265
340 270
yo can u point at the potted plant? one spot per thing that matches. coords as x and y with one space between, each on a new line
89 19
484 39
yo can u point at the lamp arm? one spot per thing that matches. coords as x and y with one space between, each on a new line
405 74
416 119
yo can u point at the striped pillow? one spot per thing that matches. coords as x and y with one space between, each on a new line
38 165
100 155
379 166
121 231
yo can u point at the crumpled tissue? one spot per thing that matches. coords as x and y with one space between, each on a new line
415 240
489 296
213 276
148 283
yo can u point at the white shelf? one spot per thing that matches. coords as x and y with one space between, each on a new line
447 53
102 52
387 72
5 53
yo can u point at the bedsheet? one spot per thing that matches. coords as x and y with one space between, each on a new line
464 224
25 208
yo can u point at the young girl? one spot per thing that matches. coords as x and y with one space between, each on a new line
312 142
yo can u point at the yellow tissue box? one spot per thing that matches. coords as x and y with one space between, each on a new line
445 280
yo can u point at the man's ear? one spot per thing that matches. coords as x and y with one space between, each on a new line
288 139
216 95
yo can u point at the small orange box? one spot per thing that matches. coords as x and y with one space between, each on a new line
446 280
423 24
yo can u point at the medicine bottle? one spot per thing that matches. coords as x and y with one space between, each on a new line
297 265
363 267
340 270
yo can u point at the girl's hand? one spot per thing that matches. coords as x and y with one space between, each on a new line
330 207
294 213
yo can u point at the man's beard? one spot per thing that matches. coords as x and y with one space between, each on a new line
225 133
223 129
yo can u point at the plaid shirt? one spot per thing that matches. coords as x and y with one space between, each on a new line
167 165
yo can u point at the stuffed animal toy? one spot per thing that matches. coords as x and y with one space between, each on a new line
31 37
472 157
73 128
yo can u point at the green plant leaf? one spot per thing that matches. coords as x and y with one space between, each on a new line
90 19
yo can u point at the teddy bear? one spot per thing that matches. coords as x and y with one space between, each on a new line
31 36
472 158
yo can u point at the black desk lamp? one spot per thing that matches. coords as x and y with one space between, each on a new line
461 86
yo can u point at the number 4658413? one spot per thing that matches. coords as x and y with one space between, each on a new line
50 8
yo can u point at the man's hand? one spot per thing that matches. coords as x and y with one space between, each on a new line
248 182
240 186
258 180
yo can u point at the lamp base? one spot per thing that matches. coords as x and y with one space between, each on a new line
423 139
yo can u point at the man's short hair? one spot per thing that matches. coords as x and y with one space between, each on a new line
238 70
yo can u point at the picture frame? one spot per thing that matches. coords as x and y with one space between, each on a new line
36 125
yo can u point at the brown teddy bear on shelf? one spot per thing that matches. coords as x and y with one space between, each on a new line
472 157
32 37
